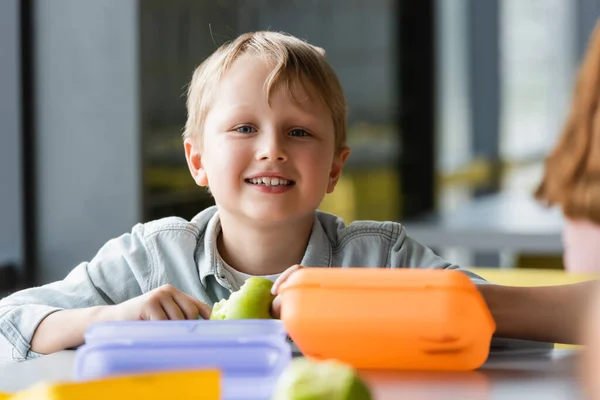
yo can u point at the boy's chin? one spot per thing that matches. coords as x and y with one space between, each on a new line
265 214
273 216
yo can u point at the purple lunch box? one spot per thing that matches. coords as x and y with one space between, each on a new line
250 354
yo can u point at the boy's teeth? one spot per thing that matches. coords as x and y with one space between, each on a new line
270 181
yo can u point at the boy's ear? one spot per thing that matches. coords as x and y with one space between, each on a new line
336 168
194 161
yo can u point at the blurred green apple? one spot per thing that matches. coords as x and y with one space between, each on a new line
305 379
252 301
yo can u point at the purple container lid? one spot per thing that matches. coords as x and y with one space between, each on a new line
249 353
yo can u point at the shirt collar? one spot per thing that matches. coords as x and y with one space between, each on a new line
318 251
208 259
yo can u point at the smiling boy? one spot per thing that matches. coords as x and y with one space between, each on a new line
266 132
268 146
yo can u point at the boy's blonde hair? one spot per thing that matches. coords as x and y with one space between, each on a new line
294 61
572 174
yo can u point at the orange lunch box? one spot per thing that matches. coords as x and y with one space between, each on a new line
381 318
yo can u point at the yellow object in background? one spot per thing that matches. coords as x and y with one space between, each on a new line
180 385
531 277
5 396
372 194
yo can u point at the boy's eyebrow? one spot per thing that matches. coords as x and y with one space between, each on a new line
244 113
308 120
238 107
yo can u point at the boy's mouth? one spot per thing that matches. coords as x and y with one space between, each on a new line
270 181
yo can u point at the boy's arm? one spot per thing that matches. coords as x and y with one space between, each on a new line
546 313
64 329
120 271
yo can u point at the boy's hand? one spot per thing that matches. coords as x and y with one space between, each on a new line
276 305
65 329
163 303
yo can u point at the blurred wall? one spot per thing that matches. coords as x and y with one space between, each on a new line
360 41
11 227
87 129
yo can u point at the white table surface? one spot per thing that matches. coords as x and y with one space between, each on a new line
550 376
504 221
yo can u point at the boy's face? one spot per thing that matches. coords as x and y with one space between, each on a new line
265 162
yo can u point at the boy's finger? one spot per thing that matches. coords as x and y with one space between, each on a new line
187 305
156 313
276 307
204 309
172 309
283 277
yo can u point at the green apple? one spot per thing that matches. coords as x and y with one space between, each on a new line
252 301
305 379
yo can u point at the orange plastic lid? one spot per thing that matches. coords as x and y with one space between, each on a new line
424 319
385 278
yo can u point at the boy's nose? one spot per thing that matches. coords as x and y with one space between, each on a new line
272 149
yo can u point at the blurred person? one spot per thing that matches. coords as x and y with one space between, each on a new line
572 171
572 181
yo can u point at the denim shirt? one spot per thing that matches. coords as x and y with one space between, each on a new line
184 254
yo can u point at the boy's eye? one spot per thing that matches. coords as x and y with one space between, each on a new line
245 129
299 132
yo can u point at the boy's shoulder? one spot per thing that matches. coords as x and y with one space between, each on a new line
338 231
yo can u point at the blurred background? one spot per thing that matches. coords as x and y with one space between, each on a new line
454 104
